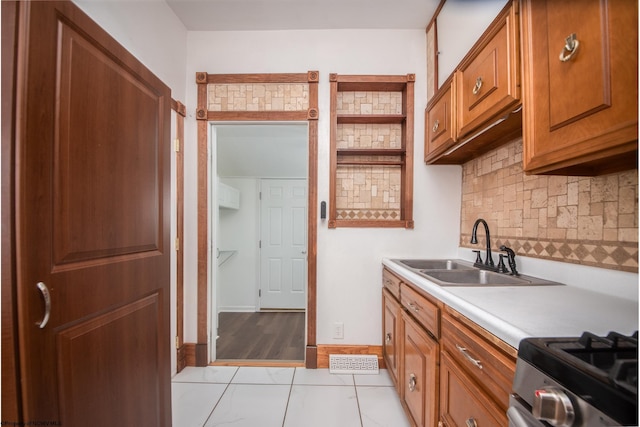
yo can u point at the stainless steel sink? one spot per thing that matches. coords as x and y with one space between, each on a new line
473 277
436 264
453 272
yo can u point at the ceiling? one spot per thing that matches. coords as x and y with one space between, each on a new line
255 15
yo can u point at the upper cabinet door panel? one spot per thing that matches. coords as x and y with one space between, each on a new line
580 78
488 78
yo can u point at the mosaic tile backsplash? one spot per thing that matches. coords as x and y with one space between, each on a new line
584 220
258 97
369 103
368 192
368 136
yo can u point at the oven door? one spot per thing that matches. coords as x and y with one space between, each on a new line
519 414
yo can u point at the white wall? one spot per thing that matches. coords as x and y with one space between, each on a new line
239 231
349 259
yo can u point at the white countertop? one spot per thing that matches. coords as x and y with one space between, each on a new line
515 312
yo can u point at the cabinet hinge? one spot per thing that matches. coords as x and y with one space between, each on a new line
177 145
177 244
259 293
177 343
259 244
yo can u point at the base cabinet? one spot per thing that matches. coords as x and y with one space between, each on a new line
462 402
391 333
420 373
448 371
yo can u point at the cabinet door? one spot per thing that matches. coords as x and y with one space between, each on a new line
580 105
488 80
440 122
462 403
390 335
420 364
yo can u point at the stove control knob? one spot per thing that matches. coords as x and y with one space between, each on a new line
552 405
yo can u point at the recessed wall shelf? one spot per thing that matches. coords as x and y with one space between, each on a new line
371 177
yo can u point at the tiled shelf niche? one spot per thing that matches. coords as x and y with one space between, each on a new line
371 176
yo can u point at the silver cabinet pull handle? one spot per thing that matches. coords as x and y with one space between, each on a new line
388 337
478 86
471 422
413 306
571 44
463 350
47 304
436 125
412 382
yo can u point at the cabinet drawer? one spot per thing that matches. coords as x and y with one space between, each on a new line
425 312
485 362
440 122
391 282
462 403
488 81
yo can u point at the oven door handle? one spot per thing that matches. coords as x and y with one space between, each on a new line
520 417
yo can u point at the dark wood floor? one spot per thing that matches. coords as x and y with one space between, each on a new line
261 336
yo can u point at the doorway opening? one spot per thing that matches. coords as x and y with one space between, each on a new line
259 275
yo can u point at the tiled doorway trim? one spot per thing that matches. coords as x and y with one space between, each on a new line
281 98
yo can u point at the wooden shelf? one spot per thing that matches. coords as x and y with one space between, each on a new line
370 152
352 162
383 119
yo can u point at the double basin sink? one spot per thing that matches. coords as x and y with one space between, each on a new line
449 272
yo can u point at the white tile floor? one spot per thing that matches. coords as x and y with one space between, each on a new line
283 397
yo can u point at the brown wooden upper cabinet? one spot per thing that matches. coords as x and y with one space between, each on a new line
580 81
477 109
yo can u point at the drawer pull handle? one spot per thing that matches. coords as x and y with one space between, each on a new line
414 307
570 46
388 337
478 86
413 381
471 422
436 125
463 350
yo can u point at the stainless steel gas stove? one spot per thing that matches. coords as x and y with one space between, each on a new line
576 382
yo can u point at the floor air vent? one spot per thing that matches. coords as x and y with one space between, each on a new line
353 364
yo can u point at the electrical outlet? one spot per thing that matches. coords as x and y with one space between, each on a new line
338 330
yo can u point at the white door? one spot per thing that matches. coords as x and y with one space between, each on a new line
283 244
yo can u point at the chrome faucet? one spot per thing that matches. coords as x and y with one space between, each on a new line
474 239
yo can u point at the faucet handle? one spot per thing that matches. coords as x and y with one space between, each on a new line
478 257
501 267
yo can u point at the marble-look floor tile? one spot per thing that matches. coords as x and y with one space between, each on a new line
263 375
382 379
380 407
321 377
192 403
207 374
250 405
322 406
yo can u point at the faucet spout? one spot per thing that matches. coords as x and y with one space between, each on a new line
474 239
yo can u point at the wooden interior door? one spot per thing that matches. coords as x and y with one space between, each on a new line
92 226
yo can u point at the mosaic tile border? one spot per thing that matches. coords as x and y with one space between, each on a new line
613 255
373 215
